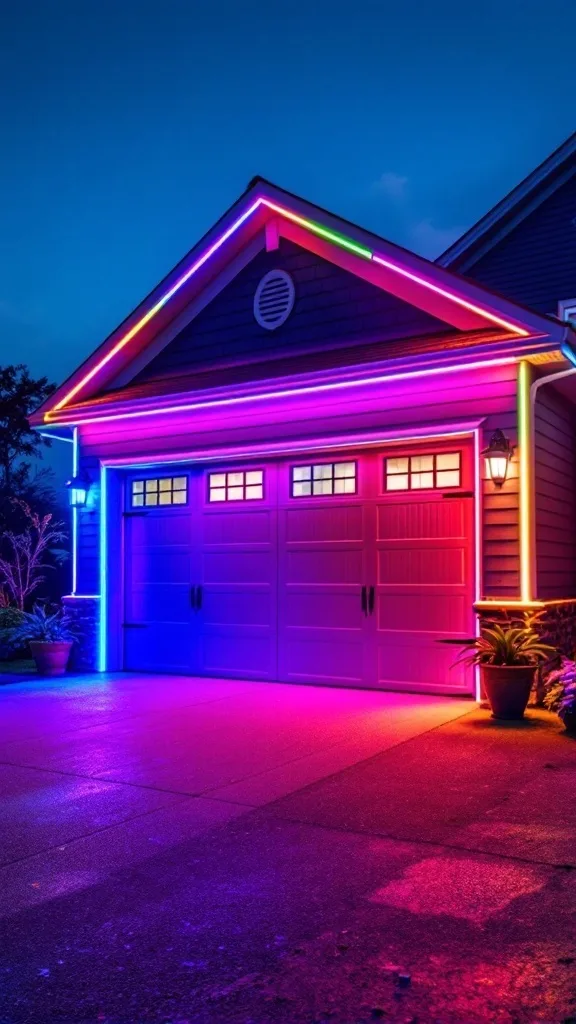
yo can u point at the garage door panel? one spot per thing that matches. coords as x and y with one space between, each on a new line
446 615
320 566
247 606
158 603
419 520
320 608
333 660
251 655
416 663
324 523
249 528
416 566
164 528
238 567
160 647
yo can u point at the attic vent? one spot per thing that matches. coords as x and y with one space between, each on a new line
274 299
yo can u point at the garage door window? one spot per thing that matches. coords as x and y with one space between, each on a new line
324 478
240 485
420 472
166 490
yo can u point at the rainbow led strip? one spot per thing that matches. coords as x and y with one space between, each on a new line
309 225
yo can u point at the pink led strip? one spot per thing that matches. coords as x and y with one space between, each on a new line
317 229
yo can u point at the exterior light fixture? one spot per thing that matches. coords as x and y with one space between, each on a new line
78 488
497 457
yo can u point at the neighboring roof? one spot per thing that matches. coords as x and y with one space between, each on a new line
510 211
460 303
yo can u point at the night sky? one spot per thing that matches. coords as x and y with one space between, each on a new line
129 127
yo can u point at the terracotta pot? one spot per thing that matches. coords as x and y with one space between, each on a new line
508 689
51 658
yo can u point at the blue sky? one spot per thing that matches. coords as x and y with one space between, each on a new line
128 128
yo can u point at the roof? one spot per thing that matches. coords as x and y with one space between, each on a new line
462 304
513 208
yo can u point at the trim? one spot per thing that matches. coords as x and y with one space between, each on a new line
103 638
81 597
333 237
525 484
296 391
527 605
74 513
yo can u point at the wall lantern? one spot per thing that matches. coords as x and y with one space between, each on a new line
497 456
78 488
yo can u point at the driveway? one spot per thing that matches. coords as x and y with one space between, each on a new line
184 850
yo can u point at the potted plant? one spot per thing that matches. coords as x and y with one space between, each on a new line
560 695
50 636
508 655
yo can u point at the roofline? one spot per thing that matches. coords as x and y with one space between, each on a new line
516 195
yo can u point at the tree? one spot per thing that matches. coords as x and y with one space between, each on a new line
20 394
22 565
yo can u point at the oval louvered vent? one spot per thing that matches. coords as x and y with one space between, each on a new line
274 299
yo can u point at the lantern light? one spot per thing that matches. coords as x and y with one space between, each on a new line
78 488
497 457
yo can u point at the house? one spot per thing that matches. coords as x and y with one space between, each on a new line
279 469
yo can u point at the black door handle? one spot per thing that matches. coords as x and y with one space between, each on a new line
198 598
364 601
193 597
371 598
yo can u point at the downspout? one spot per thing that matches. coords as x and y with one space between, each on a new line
529 578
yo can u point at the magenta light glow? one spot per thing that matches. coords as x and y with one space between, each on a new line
317 229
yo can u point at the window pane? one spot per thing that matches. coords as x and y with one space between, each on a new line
397 482
448 478
217 494
165 484
235 479
254 476
235 493
165 497
345 486
448 460
217 479
138 499
396 465
151 485
300 489
179 498
137 486
179 483
322 487
323 472
345 469
420 480
151 499
255 491
420 462
301 472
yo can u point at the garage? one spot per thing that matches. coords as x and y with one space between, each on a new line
343 568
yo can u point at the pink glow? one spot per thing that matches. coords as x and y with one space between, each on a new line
290 392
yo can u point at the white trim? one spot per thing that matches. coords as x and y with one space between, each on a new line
566 307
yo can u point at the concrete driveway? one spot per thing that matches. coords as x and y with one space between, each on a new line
181 850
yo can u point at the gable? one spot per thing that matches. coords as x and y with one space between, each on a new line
332 308
535 263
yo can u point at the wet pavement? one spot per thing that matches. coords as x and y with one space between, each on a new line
183 851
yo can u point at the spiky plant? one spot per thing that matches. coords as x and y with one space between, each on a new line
507 644
50 627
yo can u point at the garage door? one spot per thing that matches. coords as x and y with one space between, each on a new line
342 570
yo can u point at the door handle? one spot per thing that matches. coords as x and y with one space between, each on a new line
193 598
371 599
198 598
364 601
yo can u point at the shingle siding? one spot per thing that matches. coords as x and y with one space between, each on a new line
555 478
535 263
332 307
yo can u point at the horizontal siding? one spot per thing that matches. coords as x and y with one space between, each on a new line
456 396
535 264
332 306
88 581
555 484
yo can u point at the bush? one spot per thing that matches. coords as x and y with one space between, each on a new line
10 619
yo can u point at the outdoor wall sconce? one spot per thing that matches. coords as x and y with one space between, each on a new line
497 457
78 488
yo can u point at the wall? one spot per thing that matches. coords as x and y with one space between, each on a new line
452 397
332 307
535 264
555 483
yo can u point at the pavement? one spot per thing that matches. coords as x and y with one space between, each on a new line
188 851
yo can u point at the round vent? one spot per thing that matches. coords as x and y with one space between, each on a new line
274 299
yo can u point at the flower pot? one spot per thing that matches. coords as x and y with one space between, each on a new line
569 721
508 689
51 658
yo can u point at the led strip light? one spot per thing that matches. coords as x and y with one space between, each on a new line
317 229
